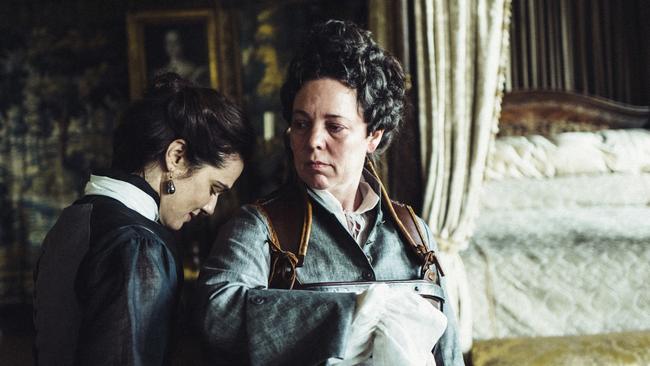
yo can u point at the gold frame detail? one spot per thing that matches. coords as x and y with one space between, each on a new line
135 23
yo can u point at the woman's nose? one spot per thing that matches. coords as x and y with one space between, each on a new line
316 139
212 203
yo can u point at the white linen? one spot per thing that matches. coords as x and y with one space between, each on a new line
128 194
394 328
560 271
561 242
561 256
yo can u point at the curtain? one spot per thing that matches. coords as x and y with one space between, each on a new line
461 54
390 24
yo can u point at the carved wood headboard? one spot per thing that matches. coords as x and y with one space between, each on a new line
547 112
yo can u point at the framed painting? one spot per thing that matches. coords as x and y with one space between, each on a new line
182 41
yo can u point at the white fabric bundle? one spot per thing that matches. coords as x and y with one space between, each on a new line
394 327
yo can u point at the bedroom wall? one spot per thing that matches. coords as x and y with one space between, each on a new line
597 47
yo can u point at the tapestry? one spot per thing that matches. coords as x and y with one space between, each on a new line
60 93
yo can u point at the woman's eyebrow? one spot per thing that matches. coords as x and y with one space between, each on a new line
328 115
332 115
220 186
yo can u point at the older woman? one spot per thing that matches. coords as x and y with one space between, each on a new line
290 279
109 276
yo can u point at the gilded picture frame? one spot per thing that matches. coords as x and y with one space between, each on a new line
183 41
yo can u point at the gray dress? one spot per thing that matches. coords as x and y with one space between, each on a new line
244 322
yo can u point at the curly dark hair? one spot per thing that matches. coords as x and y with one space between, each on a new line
342 51
213 127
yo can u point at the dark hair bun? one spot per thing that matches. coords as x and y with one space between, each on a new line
166 84
213 127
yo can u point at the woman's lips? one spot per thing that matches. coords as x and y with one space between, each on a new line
316 165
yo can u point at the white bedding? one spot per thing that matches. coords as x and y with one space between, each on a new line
566 255
613 189
564 271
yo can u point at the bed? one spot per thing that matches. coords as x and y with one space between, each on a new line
559 265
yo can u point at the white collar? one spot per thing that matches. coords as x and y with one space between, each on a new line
369 200
128 194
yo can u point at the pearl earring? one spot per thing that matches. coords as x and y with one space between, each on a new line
170 188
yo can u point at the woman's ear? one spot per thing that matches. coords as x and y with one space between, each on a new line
175 159
374 138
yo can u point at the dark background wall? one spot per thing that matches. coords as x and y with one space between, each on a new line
596 47
63 83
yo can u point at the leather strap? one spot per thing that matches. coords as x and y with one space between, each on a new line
289 215
409 226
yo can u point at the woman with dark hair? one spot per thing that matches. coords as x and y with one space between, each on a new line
107 283
329 270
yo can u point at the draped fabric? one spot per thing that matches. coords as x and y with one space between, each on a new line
461 48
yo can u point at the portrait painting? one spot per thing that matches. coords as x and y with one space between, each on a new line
180 41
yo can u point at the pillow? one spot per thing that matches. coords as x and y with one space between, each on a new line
578 153
627 151
570 153
519 157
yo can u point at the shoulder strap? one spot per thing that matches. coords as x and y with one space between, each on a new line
289 216
409 226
